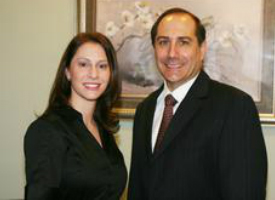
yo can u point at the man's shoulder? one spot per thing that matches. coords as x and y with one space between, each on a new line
226 89
227 93
216 86
152 97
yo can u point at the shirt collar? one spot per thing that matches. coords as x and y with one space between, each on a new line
180 92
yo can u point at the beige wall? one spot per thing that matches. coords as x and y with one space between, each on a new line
33 35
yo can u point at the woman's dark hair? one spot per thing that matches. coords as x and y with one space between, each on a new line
200 30
61 89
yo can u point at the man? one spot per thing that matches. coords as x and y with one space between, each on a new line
213 148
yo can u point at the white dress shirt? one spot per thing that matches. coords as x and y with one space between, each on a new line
179 94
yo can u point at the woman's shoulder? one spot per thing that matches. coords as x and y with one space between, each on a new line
45 121
44 126
43 138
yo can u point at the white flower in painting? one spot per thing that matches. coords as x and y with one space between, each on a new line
225 39
208 22
111 29
146 21
142 7
128 18
241 32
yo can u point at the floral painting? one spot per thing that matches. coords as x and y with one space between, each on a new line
234 41
130 33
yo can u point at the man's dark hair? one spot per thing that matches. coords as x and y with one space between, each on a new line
200 30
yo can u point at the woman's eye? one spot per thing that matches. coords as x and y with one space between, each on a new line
103 66
83 64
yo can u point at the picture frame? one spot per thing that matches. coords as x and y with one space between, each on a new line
92 17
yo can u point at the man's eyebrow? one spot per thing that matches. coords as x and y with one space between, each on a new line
185 38
180 38
162 37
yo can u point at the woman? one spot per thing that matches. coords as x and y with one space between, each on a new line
70 150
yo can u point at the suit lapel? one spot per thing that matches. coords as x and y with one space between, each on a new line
186 111
148 118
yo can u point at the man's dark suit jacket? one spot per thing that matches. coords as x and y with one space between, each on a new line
213 148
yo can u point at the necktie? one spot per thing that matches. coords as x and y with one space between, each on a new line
166 118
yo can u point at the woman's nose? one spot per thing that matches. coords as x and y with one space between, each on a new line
93 72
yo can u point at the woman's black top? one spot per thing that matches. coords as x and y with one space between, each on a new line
65 162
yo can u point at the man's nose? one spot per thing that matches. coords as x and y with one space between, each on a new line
173 50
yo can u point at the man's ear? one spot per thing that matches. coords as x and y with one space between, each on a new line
203 49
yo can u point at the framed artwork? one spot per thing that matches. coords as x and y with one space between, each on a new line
240 45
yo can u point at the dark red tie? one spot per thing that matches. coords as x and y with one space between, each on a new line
166 118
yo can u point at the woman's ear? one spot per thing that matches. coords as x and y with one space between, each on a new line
68 74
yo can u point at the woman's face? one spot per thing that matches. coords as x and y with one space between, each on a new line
89 73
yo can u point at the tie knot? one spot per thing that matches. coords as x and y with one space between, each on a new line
170 100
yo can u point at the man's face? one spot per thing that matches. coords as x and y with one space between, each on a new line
178 54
